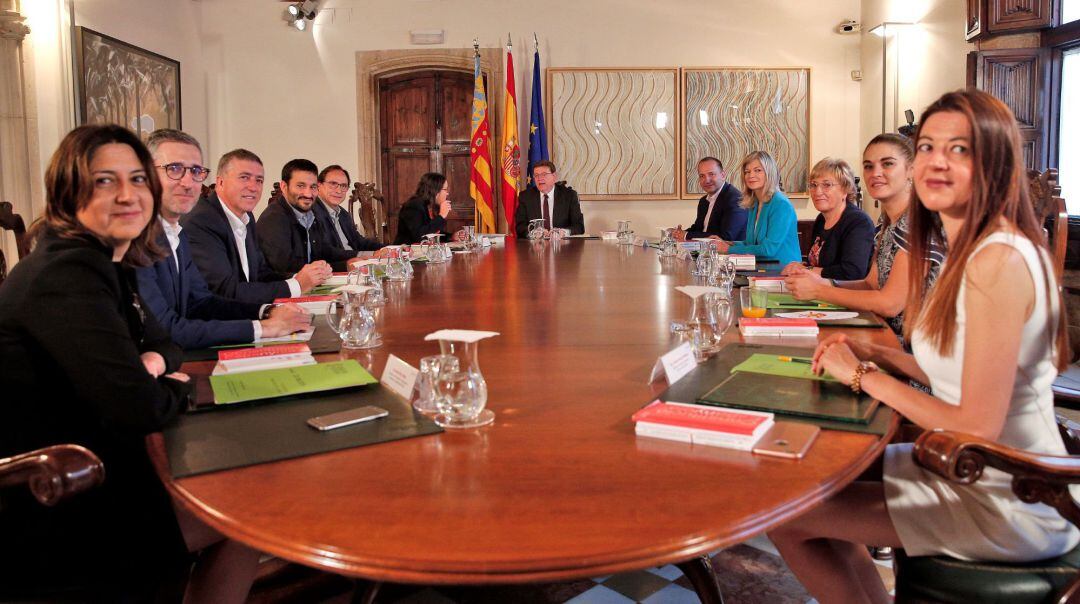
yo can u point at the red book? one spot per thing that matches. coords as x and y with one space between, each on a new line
265 351
303 299
699 417
776 322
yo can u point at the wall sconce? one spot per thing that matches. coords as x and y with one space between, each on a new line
886 30
298 14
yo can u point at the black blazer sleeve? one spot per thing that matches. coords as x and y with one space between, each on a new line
278 245
577 220
413 217
521 213
77 301
734 216
846 254
697 229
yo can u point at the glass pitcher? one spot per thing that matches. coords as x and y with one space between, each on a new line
668 246
461 392
399 268
536 229
352 320
703 328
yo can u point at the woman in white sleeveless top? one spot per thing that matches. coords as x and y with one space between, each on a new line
989 339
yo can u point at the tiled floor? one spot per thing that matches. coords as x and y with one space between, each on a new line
750 573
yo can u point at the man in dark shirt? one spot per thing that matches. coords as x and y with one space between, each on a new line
718 213
331 214
173 289
290 235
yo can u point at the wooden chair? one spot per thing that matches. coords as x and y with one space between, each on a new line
10 221
53 473
275 191
372 210
1050 210
1037 478
207 190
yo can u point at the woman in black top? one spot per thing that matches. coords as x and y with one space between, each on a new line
82 362
843 237
426 210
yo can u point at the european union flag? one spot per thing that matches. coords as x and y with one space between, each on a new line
538 150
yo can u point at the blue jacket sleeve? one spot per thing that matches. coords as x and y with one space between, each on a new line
780 227
186 332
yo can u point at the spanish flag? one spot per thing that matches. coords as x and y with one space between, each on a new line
480 154
511 152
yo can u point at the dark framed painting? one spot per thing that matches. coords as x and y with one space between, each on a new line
120 83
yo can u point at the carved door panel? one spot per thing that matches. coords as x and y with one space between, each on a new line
1020 78
1017 15
421 119
975 15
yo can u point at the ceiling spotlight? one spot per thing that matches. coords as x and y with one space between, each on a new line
294 10
300 24
298 13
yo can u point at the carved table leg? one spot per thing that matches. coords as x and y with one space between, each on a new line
700 572
365 592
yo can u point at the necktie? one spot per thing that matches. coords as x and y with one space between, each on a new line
547 213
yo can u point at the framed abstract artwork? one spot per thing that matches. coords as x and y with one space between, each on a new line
730 111
119 83
615 131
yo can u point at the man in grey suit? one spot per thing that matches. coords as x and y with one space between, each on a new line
556 204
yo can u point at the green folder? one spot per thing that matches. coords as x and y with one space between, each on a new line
322 290
274 383
788 302
796 396
772 364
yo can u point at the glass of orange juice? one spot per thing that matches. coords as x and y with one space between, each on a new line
752 300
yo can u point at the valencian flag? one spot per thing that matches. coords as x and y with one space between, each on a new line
511 152
538 150
480 153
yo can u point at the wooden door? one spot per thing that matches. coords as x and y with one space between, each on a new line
1020 78
424 122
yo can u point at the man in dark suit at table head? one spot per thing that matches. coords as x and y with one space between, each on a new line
335 219
556 204
173 289
290 235
224 242
718 213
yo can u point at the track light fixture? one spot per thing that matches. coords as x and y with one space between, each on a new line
298 13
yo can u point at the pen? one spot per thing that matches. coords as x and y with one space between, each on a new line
795 360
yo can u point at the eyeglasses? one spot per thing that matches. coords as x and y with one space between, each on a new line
824 186
176 171
337 186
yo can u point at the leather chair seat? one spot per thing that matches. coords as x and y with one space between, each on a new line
947 580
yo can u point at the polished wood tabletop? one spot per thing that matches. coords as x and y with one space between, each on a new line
559 487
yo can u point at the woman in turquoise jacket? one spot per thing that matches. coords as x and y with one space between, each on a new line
772 230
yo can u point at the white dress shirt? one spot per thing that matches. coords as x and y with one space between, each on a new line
712 204
239 229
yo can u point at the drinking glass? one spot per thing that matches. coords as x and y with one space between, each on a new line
471 243
753 300
368 277
461 394
430 366
668 246
536 229
724 310
626 236
703 266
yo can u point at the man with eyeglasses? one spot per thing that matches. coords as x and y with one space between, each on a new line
225 242
719 213
173 289
291 235
335 219
554 202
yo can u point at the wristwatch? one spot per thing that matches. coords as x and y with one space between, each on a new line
265 314
856 378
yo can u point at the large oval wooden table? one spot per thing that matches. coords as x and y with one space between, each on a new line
558 487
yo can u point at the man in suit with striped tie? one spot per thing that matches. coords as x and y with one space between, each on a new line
173 289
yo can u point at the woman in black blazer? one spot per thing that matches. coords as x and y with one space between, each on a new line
81 361
426 210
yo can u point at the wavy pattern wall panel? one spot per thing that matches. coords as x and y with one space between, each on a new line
731 112
614 132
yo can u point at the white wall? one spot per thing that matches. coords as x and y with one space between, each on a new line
167 27
283 93
932 57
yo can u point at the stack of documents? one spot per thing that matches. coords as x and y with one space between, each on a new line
288 381
242 360
776 326
700 425
742 262
316 305
772 284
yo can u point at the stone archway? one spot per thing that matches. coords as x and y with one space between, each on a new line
374 64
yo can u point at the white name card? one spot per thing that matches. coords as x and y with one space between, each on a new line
399 377
674 365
